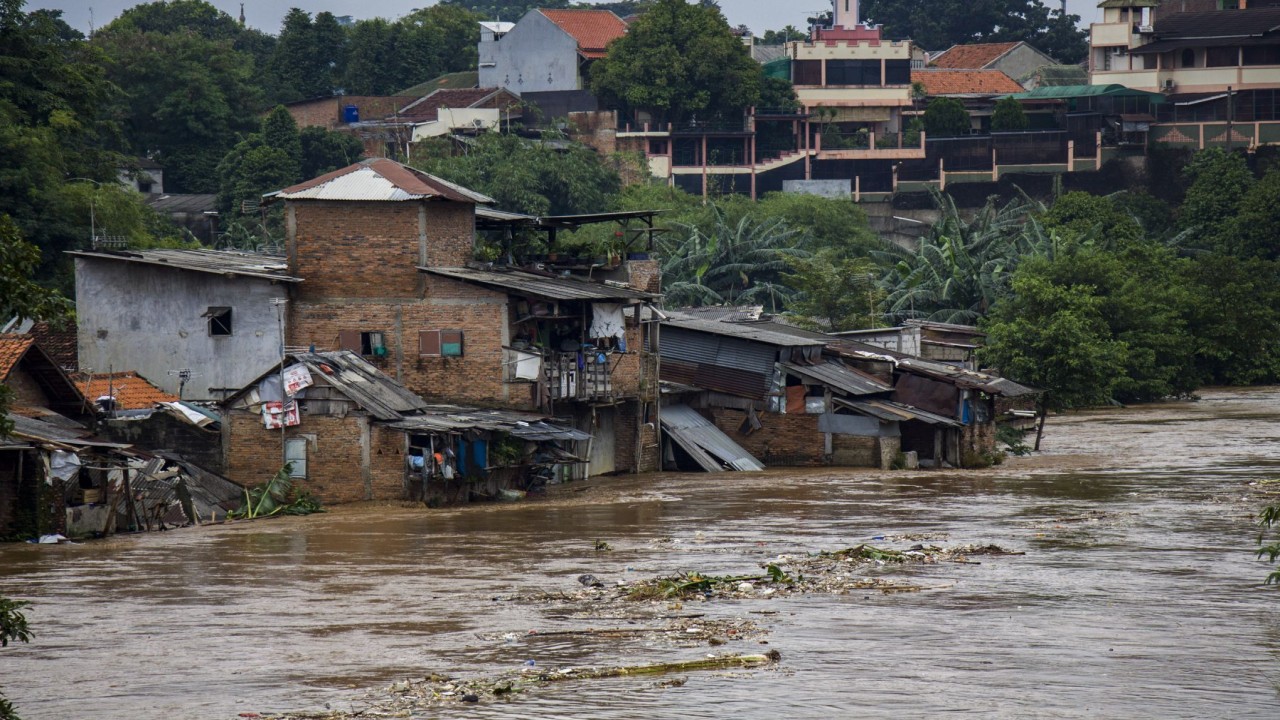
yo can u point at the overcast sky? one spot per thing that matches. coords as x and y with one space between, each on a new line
759 15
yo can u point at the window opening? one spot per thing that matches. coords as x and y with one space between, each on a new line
219 321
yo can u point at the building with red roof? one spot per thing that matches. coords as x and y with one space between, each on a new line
1018 60
547 51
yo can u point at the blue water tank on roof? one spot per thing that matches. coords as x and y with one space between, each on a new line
350 114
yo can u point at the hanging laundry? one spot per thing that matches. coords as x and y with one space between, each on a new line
606 320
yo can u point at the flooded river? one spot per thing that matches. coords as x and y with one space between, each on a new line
1138 596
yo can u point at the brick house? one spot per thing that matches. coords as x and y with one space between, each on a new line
772 390
352 433
388 256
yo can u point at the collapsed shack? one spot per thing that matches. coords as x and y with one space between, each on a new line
58 480
349 432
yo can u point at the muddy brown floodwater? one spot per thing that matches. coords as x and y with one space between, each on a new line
1138 596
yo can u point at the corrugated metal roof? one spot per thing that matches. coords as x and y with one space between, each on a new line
890 411
547 286
177 203
705 442
838 377
526 426
364 384
960 377
379 180
217 262
745 331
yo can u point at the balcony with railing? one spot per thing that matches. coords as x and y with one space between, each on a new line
562 376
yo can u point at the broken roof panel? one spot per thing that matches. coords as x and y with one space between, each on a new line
379 180
891 411
745 331
366 385
835 375
217 262
547 286
705 442
455 419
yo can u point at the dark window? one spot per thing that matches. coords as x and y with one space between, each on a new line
657 147
854 72
806 72
1188 58
1222 57
897 72
219 321
369 343
1262 55
440 343
144 186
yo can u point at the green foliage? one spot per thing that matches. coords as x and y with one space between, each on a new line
1218 182
946 117
1234 319
383 56
13 626
1008 116
324 151
1012 438
939 24
679 60
531 176
962 266
1252 231
724 260
277 497
834 292
787 34
13 622
1270 546
1054 337
183 101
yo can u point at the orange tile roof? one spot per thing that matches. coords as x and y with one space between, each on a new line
965 82
972 56
593 29
12 348
131 390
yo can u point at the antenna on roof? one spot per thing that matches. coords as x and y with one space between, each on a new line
184 376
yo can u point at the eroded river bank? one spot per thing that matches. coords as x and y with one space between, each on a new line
1137 596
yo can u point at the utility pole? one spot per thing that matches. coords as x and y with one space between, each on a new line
279 304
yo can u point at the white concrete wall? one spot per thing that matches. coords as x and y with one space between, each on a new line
149 319
536 56
458 118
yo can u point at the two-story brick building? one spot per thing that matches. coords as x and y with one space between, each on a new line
388 256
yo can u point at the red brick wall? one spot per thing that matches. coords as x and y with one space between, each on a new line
26 393
630 457
327 112
788 439
645 275
336 472
372 250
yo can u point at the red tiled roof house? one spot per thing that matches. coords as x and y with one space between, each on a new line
548 50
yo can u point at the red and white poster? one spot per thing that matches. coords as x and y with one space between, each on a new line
273 413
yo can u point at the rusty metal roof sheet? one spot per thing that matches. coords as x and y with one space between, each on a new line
547 286
891 411
455 419
217 262
705 442
960 377
745 331
838 377
366 385
379 180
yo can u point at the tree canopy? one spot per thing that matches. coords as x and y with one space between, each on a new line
679 60
946 117
939 24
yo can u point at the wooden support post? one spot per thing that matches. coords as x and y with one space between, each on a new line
1098 147
942 173
857 188
995 165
